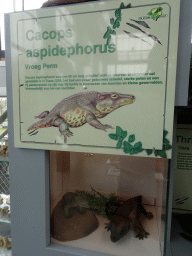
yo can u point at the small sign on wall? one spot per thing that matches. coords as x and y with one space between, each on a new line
96 76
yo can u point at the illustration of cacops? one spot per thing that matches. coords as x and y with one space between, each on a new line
81 108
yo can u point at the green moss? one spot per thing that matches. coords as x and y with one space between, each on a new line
98 201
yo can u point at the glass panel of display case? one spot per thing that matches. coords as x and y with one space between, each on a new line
107 203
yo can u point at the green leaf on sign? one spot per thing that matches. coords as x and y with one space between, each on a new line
107 33
119 144
122 6
118 19
116 24
131 138
136 151
128 6
165 141
138 145
165 133
127 147
108 39
112 21
119 131
118 13
113 136
124 134
161 153
113 32
167 147
132 151
149 151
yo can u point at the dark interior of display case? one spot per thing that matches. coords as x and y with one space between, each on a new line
107 176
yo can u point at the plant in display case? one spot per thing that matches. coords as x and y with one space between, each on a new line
98 201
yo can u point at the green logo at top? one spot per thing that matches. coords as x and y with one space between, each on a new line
155 13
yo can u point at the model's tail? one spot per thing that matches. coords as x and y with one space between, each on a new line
39 124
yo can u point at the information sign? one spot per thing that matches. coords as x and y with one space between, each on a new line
96 76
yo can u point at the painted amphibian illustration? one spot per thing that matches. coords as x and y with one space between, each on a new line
79 109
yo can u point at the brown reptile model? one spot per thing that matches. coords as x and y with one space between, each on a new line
127 216
82 108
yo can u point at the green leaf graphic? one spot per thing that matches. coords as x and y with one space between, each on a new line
167 147
119 143
138 145
118 13
165 133
161 153
122 6
120 135
136 151
128 6
127 147
149 151
165 141
107 33
131 138
108 39
119 131
132 151
116 24
112 21
124 134
118 19
113 136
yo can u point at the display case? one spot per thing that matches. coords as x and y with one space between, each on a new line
98 181
42 176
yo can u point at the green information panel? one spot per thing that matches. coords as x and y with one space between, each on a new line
96 77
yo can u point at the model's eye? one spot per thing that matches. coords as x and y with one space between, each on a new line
114 96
